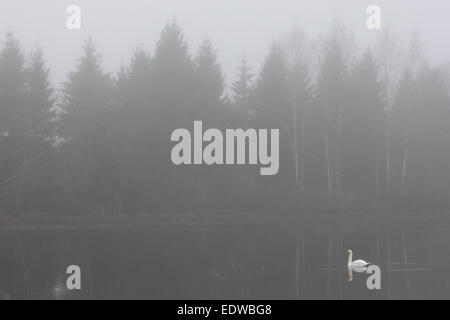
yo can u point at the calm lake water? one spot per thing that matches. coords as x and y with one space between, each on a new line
255 261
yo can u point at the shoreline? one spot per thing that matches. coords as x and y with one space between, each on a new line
213 221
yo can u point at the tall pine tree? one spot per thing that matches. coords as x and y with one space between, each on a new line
14 126
88 141
209 86
40 185
243 97
363 129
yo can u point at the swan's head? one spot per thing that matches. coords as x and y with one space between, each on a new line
349 251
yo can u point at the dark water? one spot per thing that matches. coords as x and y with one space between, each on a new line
307 261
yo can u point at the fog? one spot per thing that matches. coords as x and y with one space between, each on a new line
237 28
208 150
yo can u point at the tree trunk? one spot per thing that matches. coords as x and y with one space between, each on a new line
405 152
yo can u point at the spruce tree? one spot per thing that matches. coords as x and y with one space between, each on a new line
273 111
40 183
14 126
88 145
363 128
243 96
209 86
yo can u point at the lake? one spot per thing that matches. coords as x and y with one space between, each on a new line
305 259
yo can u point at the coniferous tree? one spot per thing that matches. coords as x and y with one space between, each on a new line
243 97
135 118
14 126
87 137
40 190
363 127
172 78
173 85
430 135
209 106
274 112
331 82
421 137
209 86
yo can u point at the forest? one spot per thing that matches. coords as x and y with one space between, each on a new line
361 129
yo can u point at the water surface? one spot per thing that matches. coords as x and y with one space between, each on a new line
253 261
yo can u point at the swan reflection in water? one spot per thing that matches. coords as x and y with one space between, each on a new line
352 269
361 266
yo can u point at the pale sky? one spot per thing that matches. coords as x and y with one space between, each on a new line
236 27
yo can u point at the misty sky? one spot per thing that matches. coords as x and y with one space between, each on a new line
236 27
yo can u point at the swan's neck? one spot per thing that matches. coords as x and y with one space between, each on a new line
350 258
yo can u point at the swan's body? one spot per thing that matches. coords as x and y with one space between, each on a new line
357 264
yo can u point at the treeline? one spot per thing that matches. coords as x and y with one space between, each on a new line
354 129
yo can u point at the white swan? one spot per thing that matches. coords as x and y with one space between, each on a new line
357 263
